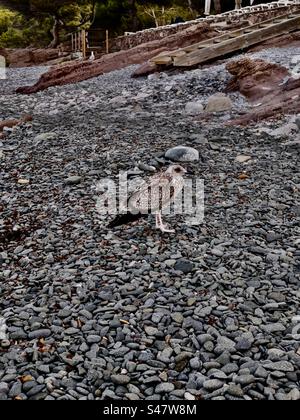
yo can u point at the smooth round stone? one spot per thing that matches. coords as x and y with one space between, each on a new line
182 154
120 379
164 388
184 265
213 384
73 180
194 108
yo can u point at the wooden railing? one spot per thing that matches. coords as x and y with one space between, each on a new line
88 41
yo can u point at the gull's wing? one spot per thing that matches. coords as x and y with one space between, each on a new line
153 194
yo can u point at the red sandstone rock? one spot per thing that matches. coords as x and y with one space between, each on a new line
267 86
255 78
13 122
146 69
77 72
28 56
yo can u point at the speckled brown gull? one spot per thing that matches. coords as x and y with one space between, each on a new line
152 197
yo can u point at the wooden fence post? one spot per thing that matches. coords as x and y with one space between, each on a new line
83 40
107 42
77 42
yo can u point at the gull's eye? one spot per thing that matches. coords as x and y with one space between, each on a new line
177 170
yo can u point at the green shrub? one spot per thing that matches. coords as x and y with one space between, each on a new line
18 32
6 19
12 38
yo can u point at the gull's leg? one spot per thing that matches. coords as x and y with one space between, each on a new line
157 221
162 227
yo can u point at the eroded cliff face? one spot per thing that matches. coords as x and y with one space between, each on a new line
265 85
255 79
28 56
76 72
270 87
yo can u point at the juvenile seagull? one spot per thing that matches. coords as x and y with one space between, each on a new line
152 196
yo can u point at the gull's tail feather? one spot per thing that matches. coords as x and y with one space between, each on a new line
124 219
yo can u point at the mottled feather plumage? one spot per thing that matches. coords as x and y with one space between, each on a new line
152 195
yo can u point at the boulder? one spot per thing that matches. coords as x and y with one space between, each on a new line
182 154
270 87
219 103
194 108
